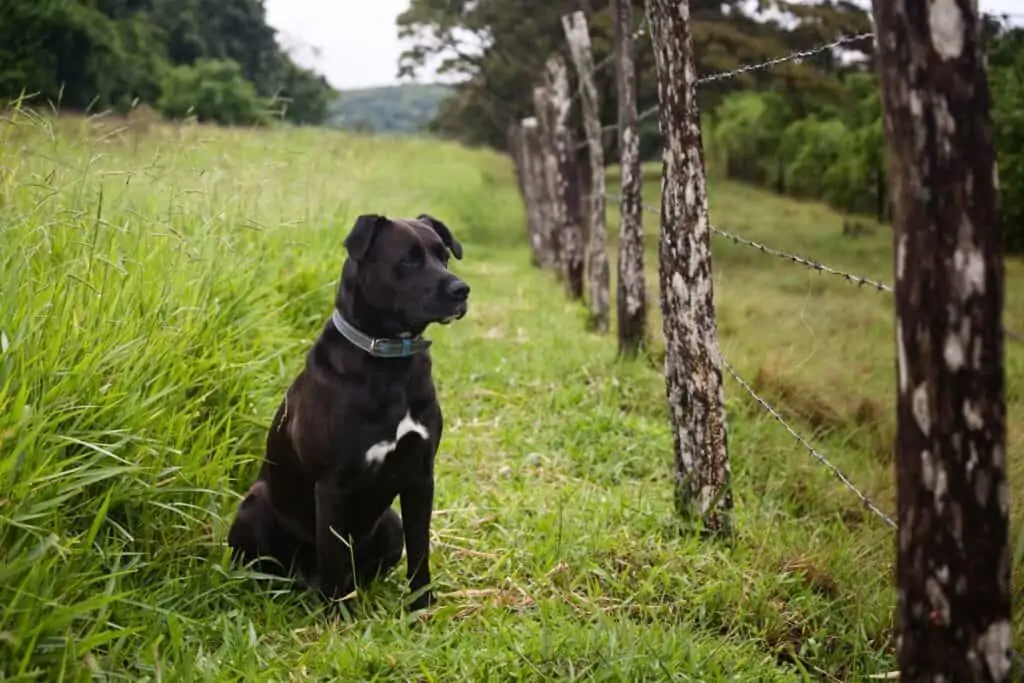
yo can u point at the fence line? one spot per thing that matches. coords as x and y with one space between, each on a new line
813 264
694 366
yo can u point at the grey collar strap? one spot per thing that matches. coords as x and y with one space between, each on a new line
402 347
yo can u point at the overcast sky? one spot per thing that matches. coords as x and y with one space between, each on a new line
357 40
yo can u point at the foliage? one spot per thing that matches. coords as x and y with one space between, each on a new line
837 152
745 134
406 108
112 53
212 90
808 149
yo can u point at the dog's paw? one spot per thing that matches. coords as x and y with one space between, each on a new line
423 601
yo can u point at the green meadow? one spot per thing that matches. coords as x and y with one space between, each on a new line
159 286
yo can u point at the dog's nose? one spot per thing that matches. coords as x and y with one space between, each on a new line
458 290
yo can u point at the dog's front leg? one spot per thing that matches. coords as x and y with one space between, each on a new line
332 553
417 507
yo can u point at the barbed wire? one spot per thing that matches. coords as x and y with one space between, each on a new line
858 280
811 450
793 56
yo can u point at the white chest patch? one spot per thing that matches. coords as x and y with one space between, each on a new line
376 453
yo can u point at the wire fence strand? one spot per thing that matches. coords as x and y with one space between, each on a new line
858 280
811 450
792 57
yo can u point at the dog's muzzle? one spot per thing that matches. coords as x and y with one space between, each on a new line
456 292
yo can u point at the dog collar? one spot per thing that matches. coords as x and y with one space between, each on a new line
401 347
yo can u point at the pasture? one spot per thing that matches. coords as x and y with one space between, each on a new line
159 289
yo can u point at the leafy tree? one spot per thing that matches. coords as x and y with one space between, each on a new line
109 53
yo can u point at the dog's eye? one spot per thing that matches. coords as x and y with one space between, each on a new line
412 260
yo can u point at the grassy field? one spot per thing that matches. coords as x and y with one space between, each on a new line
159 290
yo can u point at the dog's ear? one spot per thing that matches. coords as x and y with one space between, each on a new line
360 238
444 233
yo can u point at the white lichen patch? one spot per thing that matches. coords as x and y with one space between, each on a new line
919 408
901 257
972 418
914 102
946 25
953 352
994 645
972 268
927 470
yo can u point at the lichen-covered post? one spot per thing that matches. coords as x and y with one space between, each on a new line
550 213
693 363
598 278
953 560
532 182
631 304
566 181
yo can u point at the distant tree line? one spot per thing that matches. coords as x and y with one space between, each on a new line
217 60
810 129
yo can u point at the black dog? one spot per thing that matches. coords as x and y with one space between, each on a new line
361 423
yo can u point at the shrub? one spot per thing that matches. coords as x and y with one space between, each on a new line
809 148
746 137
212 90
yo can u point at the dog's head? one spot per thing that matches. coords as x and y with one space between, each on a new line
398 270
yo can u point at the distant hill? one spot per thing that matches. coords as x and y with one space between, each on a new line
398 109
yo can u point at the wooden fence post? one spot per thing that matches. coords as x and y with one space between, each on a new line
550 213
631 304
953 559
533 181
577 34
567 182
693 362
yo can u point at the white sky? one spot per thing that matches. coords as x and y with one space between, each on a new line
355 44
